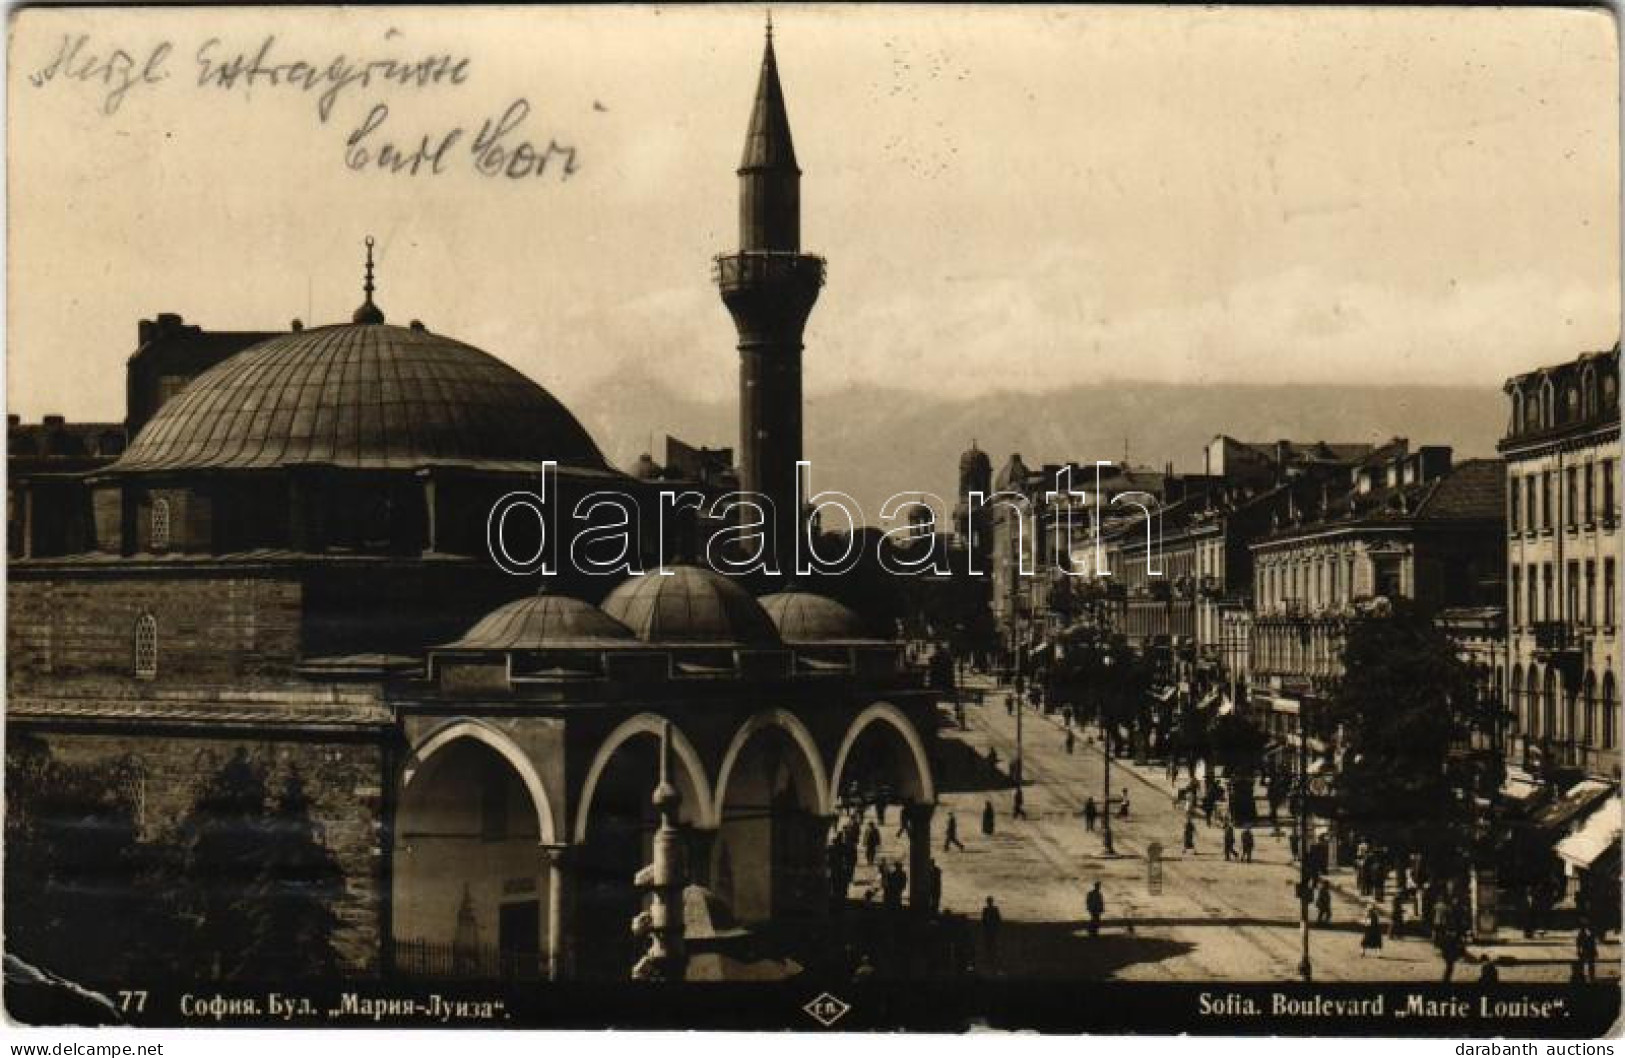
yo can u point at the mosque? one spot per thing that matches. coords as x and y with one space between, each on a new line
287 564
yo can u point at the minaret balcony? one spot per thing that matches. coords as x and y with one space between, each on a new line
765 268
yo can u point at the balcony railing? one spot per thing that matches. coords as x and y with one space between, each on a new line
1555 636
764 267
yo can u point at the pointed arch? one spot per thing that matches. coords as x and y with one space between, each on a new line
479 731
683 752
884 713
792 726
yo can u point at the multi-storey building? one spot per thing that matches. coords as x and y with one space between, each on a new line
1410 526
1562 579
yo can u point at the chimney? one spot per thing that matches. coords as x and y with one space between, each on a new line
54 421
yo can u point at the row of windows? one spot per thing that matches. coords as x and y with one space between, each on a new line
1327 581
1530 497
1538 706
1533 588
1542 409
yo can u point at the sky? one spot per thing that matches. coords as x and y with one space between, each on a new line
1007 198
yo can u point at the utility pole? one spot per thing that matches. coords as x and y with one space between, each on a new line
1305 969
1106 744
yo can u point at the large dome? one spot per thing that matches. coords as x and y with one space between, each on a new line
366 395
690 605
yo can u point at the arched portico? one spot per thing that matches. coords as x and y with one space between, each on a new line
889 741
473 892
768 857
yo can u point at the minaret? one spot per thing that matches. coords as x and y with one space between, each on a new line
769 287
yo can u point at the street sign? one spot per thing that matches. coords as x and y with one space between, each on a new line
1153 868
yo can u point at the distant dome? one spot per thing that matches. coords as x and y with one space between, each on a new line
364 395
543 622
691 605
974 459
803 617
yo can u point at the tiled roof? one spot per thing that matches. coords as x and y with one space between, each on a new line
371 396
1472 490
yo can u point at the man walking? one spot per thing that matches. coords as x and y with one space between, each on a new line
1190 834
1070 739
1247 845
1096 904
1090 813
987 819
871 842
950 836
1229 841
1323 904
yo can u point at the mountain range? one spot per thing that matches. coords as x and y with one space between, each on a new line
873 442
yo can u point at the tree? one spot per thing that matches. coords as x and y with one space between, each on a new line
76 902
258 882
1405 700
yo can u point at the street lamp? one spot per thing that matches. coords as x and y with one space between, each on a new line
1106 743
1305 969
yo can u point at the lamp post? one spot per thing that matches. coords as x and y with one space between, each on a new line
1106 744
1305 968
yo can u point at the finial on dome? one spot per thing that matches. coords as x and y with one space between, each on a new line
368 312
770 25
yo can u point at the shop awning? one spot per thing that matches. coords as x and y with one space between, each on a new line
1596 835
1576 801
1520 788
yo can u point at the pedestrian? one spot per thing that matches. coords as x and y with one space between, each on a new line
1009 705
991 919
1096 905
1323 904
1066 718
904 812
1247 845
1379 878
1208 801
871 842
880 809
1371 937
1396 912
1450 950
1190 834
1488 974
1122 805
987 819
1018 803
1292 843
1585 946
1229 841
950 836
1070 739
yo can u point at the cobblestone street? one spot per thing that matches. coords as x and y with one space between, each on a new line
1212 920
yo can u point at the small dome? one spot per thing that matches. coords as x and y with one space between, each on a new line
691 604
803 617
543 622
974 459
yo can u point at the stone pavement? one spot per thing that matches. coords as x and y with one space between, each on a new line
1212 919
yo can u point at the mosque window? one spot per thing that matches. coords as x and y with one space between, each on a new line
146 647
160 525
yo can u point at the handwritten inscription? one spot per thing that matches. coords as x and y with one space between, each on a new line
497 146
496 149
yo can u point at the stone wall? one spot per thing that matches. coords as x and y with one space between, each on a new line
210 628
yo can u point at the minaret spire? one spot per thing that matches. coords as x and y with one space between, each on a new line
368 312
770 286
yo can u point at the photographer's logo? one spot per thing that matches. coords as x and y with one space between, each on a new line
826 1009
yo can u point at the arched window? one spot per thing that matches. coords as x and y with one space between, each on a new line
1608 719
1589 692
1548 704
1548 405
1517 410
146 647
160 525
1515 704
1588 393
1532 700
